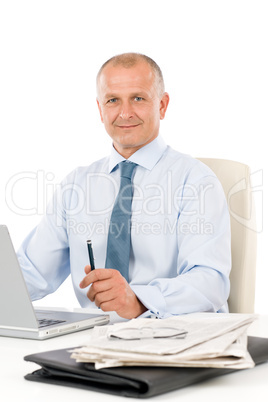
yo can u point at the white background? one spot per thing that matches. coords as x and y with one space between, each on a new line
214 57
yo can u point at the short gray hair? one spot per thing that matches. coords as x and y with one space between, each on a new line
128 60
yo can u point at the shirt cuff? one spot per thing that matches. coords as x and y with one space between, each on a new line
152 299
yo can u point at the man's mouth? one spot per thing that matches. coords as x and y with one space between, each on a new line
128 126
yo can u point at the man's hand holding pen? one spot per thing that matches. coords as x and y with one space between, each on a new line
110 291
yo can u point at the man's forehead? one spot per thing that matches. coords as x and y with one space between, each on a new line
140 71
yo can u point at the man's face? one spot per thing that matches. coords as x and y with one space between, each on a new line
130 106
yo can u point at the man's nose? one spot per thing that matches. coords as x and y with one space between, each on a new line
126 111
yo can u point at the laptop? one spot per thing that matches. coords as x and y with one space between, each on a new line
18 317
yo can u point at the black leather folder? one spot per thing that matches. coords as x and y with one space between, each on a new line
139 382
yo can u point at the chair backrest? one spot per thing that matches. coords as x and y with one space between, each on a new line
235 180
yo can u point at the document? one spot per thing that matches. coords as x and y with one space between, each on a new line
193 340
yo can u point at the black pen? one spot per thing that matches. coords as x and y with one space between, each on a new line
90 254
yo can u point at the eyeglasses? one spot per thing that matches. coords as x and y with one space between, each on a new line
147 333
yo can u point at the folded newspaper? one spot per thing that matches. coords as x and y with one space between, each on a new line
193 340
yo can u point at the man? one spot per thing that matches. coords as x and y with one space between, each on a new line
179 240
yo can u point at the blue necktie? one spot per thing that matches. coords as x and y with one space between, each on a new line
118 245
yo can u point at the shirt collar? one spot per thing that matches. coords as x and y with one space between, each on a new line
147 156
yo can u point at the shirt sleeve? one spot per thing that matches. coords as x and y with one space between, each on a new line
44 254
204 256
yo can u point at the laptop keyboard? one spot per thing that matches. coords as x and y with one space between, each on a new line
44 322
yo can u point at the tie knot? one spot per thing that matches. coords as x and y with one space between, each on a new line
126 169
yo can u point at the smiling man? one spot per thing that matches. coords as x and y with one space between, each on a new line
131 102
158 219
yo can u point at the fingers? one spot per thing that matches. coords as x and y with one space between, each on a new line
123 301
99 287
85 281
100 297
95 275
87 269
106 285
110 291
108 288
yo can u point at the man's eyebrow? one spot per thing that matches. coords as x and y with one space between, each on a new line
131 95
139 93
110 96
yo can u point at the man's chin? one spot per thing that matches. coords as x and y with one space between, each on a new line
127 139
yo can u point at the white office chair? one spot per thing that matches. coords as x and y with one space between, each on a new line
235 179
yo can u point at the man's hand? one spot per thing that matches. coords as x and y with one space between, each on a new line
111 292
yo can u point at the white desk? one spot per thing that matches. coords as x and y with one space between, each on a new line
247 385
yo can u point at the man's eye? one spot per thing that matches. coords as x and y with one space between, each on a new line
138 98
113 100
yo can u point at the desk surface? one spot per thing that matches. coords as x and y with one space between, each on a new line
246 385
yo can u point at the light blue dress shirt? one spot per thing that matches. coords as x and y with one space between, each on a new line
180 256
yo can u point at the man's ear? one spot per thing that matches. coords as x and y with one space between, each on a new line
99 107
163 105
